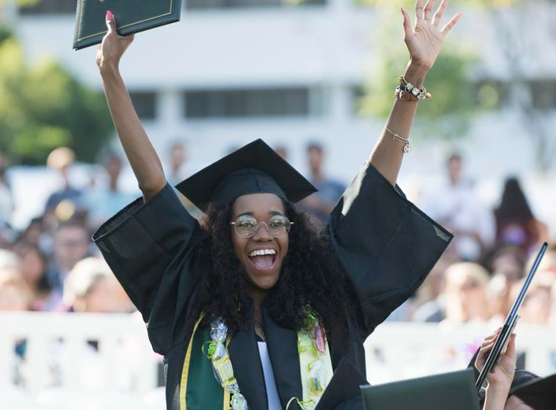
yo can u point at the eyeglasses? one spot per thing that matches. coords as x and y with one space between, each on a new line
247 226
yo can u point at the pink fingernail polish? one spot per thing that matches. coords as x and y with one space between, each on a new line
109 15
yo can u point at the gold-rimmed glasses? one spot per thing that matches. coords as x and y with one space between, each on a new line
247 226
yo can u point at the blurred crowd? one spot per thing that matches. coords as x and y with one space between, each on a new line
51 265
481 273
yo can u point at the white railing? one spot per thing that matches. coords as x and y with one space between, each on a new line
78 351
397 351
59 351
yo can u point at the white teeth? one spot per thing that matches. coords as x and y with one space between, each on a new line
261 252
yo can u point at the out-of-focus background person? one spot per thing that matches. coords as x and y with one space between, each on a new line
66 200
321 203
536 308
106 197
455 204
33 268
91 288
177 171
515 223
466 293
71 244
15 295
6 200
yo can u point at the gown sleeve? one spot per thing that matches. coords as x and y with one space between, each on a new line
385 243
149 248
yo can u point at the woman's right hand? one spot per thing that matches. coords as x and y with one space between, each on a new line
113 46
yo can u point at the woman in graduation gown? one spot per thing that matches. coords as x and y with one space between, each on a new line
254 309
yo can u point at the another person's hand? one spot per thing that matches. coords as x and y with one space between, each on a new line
113 46
503 374
424 42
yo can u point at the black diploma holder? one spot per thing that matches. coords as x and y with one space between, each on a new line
132 16
501 343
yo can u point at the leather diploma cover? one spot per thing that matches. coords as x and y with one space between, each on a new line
132 16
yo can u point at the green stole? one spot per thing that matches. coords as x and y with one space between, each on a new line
199 389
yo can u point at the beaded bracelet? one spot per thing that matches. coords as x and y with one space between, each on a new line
408 92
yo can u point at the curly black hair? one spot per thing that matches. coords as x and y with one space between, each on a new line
311 276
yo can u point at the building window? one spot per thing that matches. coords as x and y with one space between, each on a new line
282 102
237 4
543 94
50 7
144 103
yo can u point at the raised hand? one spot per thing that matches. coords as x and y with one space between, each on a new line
113 46
425 41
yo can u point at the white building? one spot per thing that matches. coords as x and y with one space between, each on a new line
235 70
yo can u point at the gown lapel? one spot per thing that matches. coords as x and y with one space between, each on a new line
244 353
282 348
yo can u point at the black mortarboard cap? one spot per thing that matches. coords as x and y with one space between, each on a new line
254 168
539 393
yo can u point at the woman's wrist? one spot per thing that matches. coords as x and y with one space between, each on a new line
498 389
415 74
109 72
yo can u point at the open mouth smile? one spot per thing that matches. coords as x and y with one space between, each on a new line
263 259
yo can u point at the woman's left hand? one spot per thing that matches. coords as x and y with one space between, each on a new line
424 42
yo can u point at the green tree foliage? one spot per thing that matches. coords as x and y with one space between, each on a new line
43 107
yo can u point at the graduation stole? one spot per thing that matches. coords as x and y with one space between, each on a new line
213 385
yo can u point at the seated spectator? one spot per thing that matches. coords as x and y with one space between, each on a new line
453 203
71 244
33 233
321 203
61 160
89 288
466 293
106 199
178 159
120 301
177 173
515 222
33 271
535 309
508 260
500 295
15 295
432 294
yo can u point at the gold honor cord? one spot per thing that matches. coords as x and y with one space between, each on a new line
127 25
185 371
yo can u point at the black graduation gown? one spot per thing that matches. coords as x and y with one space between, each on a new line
385 243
